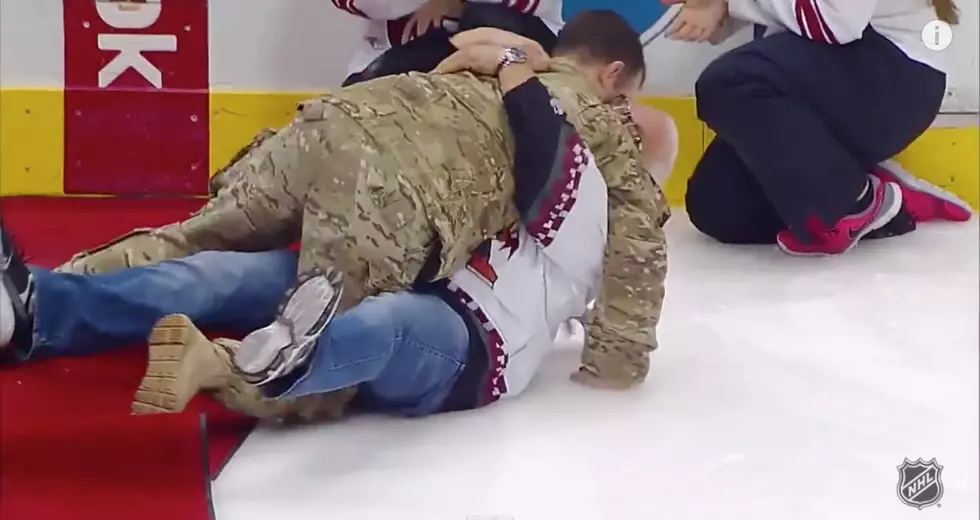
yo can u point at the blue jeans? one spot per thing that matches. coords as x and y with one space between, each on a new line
231 292
404 349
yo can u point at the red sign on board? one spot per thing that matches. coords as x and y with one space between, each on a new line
136 97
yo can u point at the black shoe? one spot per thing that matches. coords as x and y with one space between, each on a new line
900 224
16 295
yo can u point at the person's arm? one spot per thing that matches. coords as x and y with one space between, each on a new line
829 21
621 329
729 28
378 9
521 6
549 160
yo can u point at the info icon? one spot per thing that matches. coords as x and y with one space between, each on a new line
937 35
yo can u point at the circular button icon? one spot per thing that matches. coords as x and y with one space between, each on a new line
937 35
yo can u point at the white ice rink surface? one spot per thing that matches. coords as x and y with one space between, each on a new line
784 388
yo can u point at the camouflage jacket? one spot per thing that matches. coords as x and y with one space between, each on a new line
450 138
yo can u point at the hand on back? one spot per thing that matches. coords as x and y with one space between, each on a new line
481 51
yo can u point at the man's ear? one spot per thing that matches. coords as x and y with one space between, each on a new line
609 77
612 71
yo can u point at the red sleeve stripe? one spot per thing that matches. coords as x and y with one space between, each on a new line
812 23
524 6
348 6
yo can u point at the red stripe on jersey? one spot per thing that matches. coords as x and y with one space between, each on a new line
823 24
519 5
348 6
806 18
396 30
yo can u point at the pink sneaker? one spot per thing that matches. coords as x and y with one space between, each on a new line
924 201
886 203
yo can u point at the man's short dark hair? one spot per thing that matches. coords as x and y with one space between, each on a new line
603 36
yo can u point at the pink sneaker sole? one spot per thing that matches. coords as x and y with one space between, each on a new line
924 201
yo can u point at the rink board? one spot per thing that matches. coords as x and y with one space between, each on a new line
111 98
46 152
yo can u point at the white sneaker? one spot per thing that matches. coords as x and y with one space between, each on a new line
279 348
16 293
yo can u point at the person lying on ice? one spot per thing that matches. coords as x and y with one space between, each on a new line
809 117
413 352
396 180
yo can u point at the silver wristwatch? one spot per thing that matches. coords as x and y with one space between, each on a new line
511 56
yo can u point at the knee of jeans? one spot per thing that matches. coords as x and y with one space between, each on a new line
370 326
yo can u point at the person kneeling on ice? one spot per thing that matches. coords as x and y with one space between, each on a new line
809 117
436 348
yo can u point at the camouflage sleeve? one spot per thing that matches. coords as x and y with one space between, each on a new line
620 333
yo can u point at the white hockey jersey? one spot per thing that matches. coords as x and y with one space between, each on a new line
386 20
524 284
838 22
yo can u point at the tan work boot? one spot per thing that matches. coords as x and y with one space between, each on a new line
136 248
183 362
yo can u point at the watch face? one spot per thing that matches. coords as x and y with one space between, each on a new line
517 54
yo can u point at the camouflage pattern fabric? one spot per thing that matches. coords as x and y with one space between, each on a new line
448 137
139 247
261 209
447 142
393 163
621 329
361 216
226 175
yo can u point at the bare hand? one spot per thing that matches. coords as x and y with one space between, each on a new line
537 58
585 377
480 59
429 16
490 36
698 20
485 59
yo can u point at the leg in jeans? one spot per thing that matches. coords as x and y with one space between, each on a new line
363 233
405 350
810 121
81 314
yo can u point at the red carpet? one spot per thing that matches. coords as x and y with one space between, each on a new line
69 450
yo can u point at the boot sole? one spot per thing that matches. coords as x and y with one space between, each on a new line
906 180
173 371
